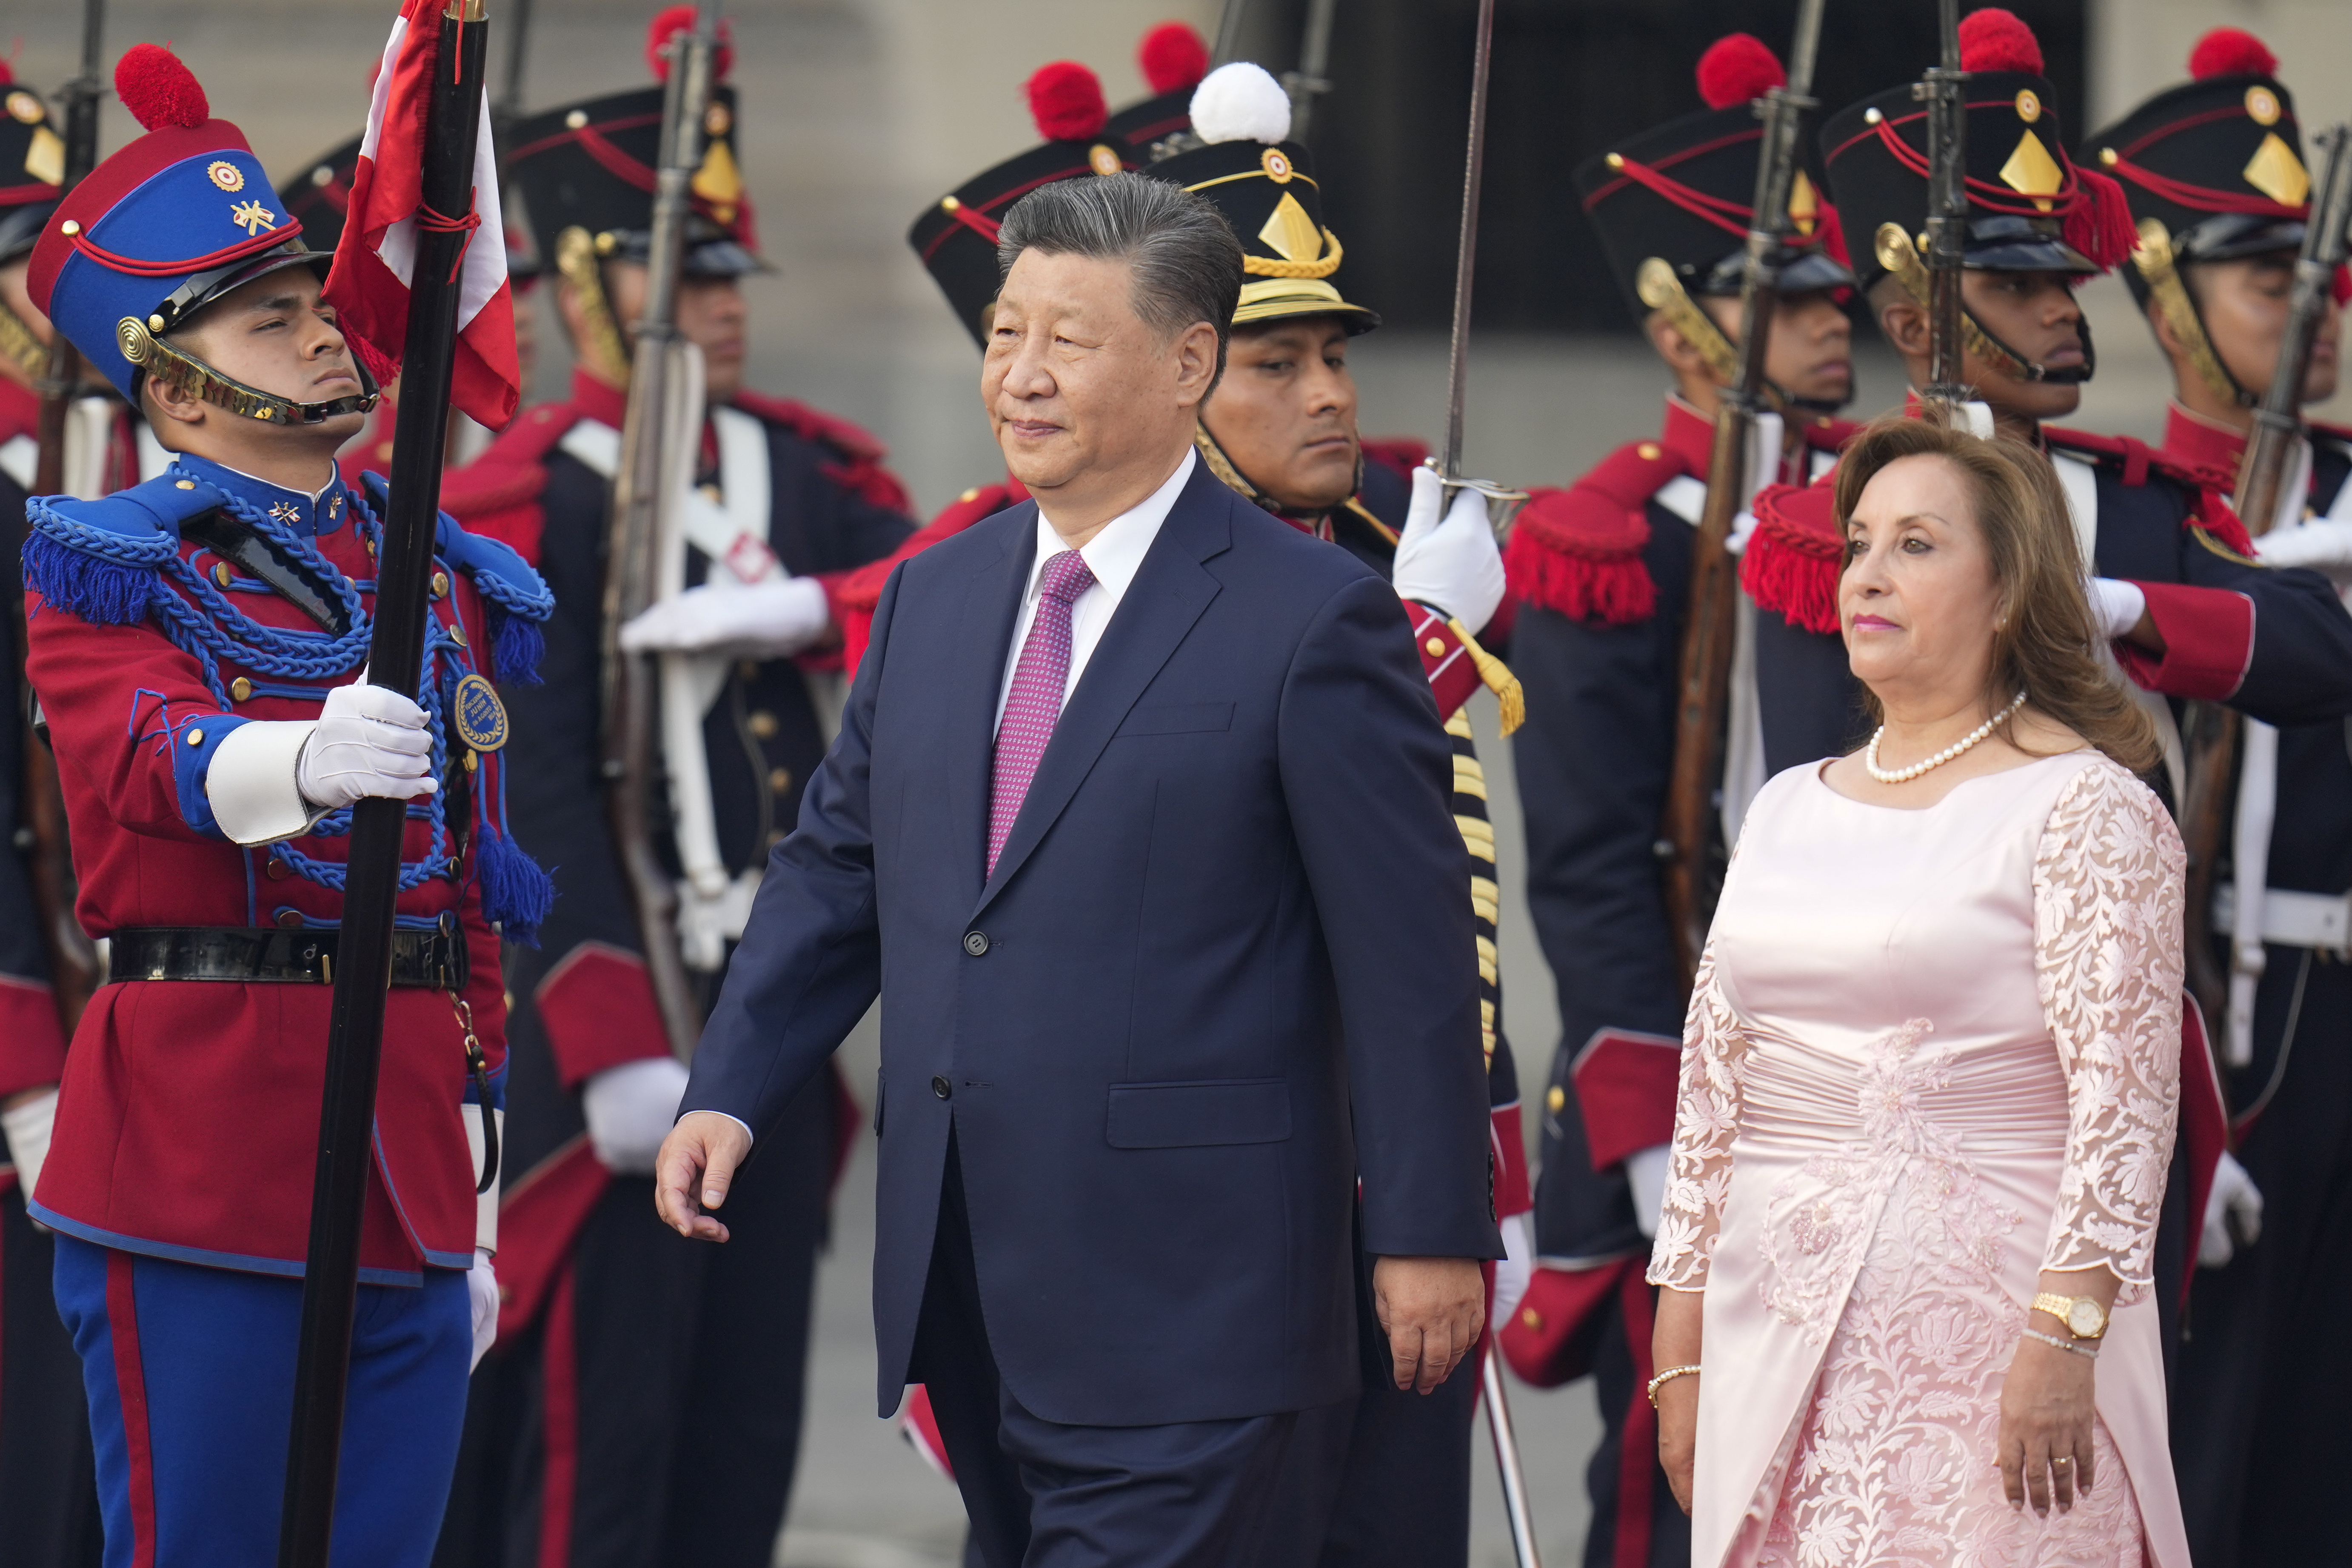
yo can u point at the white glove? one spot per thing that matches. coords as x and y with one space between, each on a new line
27 1130
2322 544
1454 563
2116 605
369 740
1645 1171
630 1109
482 1291
774 619
1513 1273
2234 1197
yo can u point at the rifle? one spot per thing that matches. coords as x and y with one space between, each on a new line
630 731
1704 681
1309 82
73 957
372 882
1944 93
1229 34
2270 457
507 106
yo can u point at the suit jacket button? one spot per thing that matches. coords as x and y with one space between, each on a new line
975 942
939 1087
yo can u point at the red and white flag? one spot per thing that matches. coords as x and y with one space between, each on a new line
368 283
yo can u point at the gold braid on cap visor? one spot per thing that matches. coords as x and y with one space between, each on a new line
1322 266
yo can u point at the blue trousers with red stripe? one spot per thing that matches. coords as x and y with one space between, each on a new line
190 1374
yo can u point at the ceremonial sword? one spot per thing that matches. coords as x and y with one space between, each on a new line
1503 504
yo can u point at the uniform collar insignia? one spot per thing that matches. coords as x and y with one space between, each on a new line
306 515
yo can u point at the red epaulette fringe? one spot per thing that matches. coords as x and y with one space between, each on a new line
1790 567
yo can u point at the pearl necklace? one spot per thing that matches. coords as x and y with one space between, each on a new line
1904 775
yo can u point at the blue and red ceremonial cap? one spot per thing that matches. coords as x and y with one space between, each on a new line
166 226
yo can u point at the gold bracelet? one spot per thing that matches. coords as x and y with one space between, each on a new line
1668 1376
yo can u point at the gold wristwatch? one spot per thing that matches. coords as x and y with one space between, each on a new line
2083 1317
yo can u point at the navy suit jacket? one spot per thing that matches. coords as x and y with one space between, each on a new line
1223 969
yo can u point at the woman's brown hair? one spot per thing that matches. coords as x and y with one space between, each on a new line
2044 642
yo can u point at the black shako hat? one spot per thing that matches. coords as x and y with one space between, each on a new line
1173 58
1679 192
32 165
589 166
955 237
2030 209
1265 185
2217 162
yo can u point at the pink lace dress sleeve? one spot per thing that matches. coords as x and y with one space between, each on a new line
2107 959
1706 1117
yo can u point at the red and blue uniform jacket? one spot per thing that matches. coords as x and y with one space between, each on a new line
187 1123
32 1044
583 1002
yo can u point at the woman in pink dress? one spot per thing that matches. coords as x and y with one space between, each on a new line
1930 1075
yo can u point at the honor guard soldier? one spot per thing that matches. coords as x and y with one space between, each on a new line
2215 174
1280 430
195 644
606 1435
47 1499
1602 571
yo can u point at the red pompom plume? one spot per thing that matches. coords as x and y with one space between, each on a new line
159 90
1065 99
1172 57
2226 51
1737 67
680 19
1995 40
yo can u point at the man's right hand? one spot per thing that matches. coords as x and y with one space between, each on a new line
369 740
695 1168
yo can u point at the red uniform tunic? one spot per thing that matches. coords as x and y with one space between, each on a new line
187 1125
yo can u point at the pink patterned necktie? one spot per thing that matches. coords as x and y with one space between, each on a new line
1035 704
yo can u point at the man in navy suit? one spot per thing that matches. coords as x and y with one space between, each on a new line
1141 805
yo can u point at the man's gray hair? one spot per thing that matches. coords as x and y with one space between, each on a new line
1187 263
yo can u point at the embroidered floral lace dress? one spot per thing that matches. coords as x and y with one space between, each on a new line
1930 1055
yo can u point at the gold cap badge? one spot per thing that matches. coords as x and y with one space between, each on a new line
226 175
2261 105
2029 106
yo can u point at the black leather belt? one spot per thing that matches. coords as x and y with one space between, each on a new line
433 960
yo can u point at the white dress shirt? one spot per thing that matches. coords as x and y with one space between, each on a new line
1114 556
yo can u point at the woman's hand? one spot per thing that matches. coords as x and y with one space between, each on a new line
2045 1426
1675 1342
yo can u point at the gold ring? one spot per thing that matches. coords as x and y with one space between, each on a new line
2063 1460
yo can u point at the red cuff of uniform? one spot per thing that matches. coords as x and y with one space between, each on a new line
1512 1195
599 1011
1452 673
1552 1337
1627 1084
2208 641
31 1043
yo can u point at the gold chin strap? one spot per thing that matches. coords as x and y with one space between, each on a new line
24 350
160 360
607 355
2170 294
1901 258
1222 466
1662 291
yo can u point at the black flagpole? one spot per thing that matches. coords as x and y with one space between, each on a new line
395 659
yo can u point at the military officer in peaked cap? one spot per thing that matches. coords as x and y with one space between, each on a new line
604 1420
2214 170
48 1499
1280 429
195 644
1602 573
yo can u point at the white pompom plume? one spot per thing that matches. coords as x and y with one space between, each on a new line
1239 102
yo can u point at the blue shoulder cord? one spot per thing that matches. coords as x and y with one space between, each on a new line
223 630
